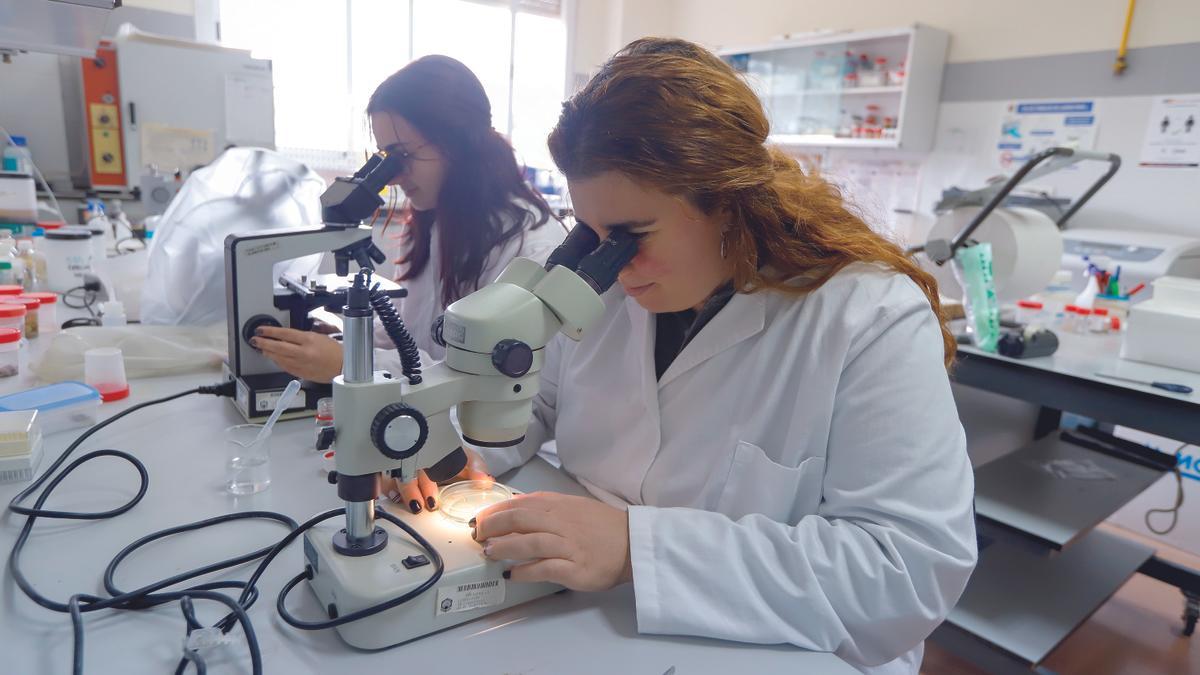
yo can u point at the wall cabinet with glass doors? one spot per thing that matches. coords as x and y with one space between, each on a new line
873 89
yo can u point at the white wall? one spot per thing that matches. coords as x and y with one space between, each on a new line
981 30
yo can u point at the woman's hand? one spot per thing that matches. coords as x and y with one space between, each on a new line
422 493
576 542
306 355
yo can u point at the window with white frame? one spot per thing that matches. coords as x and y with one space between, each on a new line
329 55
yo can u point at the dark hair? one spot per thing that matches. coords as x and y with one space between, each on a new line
670 114
475 210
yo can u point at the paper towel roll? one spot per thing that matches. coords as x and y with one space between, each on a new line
1026 250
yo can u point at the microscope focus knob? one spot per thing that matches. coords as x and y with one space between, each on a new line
435 331
512 357
399 431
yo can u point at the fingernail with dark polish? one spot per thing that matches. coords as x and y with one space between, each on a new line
414 506
430 503
471 522
507 574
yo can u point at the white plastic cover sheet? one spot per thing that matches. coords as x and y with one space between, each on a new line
243 191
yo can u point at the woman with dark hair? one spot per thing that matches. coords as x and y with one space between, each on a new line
469 209
763 410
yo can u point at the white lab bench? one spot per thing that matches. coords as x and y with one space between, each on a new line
180 444
1043 567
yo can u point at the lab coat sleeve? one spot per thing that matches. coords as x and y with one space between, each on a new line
888 553
541 426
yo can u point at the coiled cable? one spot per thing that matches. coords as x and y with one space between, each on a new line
393 325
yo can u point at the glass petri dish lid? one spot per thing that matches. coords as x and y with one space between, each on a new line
461 501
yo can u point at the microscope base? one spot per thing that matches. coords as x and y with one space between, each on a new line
470 587
256 396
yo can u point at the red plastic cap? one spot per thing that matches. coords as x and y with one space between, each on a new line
8 310
9 335
1084 311
1100 311
1116 323
107 395
30 303
1070 308
50 224
1029 304
44 298
9 289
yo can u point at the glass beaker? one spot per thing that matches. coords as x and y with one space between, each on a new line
248 465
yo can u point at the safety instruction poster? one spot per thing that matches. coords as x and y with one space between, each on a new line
1173 133
1028 127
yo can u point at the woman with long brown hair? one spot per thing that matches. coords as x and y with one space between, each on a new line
763 410
469 212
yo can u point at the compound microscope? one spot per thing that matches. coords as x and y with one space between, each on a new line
256 296
384 426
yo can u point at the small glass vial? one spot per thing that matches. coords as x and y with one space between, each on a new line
1100 320
324 417
10 352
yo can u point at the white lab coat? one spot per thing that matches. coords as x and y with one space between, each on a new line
423 305
798 475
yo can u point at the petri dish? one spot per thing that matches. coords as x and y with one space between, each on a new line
461 501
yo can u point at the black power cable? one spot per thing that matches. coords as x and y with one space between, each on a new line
152 595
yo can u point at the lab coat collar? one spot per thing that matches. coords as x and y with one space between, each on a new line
741 319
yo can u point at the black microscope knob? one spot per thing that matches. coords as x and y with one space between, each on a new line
258 321
512 357
399 431
435 331
325 438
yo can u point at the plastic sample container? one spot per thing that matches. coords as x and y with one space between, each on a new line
31 313
61 406
68 254
12 316
47 310
104 369
10 352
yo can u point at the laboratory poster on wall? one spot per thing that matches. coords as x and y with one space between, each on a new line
1028 127
1173 133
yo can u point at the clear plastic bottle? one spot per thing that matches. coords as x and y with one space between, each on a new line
8 251
120 221
112 313
33 278
17 156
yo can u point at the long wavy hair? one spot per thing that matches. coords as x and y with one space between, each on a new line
478 205
670 114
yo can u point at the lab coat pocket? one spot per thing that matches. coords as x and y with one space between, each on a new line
758 484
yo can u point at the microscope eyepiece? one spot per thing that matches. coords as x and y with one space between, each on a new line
601 267
581 241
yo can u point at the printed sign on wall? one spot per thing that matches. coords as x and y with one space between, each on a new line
1028 127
